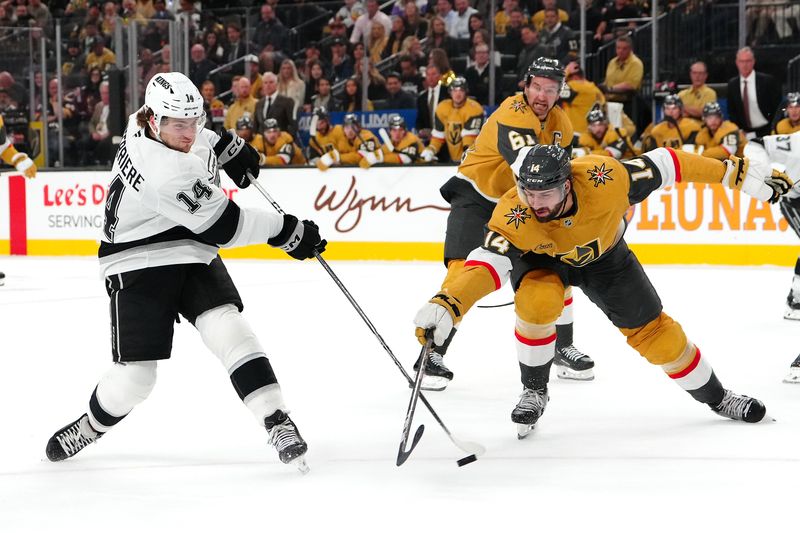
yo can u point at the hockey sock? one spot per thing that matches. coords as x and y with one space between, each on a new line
441 350
694 375
564 323
120 389
535 352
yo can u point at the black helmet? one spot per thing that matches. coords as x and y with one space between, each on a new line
712 108
245 122
792 99
596 116
458 82
351 119
545 67
545 166
271 124
396 121
321 113
673 100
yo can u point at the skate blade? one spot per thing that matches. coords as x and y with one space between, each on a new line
791 314
793 376
301 464
523 430
434 383
565 372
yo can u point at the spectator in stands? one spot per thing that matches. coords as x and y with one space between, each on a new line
441 61
109 20
377 41
377 83
351 97
274 105
397 98
341 63
91 89
431 97
373 14
290 84
674 131
463 11
791 123
270 31
620 9
694 98
477 76
99 149
161 12
753 97
279 147
531 51
40 13
594 16
482 37
396 38
412 48
405 147
314 73
74 60
337 29
503 17
213 107
444 10
410 77
244 102
129 13
476 24
100 56
558 38
718 138
6 19
252 66
438 37
145 8
323 97
415 24
235 48
189 11
199 67
624 73
583 96
538 18
513 42
215 52
69 120
349 13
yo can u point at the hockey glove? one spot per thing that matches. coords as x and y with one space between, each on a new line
756 178
440 314
369 158
427 155
24 164
237 158
328 159
298 239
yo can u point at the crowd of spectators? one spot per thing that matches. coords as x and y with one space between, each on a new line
413 48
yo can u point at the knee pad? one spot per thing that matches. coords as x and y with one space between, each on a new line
126 385
228 335
539 298
660 341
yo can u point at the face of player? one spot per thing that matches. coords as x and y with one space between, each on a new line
245 133
541 94
350 132
323 126
178 133
272 136
713 122
673 112
793 112
397 134
548 204
598 129
459 96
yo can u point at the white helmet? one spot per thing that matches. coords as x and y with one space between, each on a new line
174 95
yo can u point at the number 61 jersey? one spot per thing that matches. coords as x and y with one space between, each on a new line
163 207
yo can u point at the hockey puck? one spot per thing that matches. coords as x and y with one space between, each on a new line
467 460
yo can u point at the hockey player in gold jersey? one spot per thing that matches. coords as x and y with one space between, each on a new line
525 119
675 130
602 139
563 224
403 147
456 124
791 123
324 137
718 138
279 147
246 130
354 146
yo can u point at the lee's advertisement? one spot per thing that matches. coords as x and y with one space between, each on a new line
396 213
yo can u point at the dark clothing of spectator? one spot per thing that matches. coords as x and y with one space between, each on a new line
400 100
279 107
199 72
630 11
527 56
768 98
561 43
478 83
234 51
271 32
343 70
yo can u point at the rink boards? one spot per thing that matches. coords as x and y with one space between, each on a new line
397 213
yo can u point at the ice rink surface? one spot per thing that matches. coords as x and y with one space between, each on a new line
629 451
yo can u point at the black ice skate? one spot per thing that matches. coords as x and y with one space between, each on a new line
71 439
2 279
528 410
792 307
740 407
571 363
437 376
794 372
283 434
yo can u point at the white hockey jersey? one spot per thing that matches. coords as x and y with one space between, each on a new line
165 207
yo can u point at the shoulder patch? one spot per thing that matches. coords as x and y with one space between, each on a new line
600 175
517 215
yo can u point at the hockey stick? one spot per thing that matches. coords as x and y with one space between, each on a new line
387 141
472 448
402 453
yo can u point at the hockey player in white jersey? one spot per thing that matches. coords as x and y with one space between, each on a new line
165 220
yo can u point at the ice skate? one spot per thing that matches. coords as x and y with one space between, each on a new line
71 439
437 376
792 311
283 434
794 372
740 407
571 363
528 410
2 279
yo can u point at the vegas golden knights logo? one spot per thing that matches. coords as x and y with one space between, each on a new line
454 133
581 255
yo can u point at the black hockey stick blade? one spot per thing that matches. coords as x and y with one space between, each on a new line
402 454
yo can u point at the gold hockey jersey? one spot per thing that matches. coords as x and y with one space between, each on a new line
7 151
583 95
320 144
351 152
727 140
512 126
785 127
665 134
405 152
283 152
457 127
616 143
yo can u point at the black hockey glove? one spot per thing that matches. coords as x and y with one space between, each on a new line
298 239
237 158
